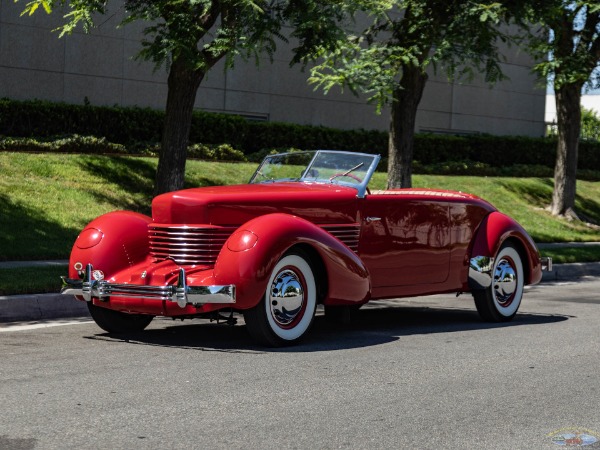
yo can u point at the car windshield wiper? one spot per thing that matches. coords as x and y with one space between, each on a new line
347 172
265 176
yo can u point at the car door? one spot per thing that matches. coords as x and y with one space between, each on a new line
405 240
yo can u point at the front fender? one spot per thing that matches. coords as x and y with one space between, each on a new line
250 254
111 242
493 232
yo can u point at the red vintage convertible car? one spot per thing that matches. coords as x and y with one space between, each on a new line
306 230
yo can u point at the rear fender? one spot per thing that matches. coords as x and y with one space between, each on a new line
111 243
494 231
251 253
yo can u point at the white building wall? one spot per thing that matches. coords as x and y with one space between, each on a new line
588 101
35 64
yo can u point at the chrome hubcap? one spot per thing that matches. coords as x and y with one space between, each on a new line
505 282
286 298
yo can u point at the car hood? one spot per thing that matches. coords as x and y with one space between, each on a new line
234 205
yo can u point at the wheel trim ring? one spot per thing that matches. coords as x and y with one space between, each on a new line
500 300
299 277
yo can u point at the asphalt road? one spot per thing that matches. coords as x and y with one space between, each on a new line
424 373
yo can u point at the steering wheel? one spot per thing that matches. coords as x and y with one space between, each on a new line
354 177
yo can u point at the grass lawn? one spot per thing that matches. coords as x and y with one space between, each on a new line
572 254
31 280
47 199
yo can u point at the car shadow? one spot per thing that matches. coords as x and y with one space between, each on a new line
369 327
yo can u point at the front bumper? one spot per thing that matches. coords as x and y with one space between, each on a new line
179 293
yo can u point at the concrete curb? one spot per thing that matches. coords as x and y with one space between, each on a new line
15 308
570 272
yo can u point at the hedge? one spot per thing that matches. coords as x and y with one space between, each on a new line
132 125
140 128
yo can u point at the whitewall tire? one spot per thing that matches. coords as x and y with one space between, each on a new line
500 302
287 309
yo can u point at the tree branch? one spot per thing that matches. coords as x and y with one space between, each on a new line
595 42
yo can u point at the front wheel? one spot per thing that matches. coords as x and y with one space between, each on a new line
286 311
118 322
500 301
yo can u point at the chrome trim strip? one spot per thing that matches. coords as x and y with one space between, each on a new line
546 262
181 293
480 272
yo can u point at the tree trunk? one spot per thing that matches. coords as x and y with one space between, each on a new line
183 84
407 97
568 109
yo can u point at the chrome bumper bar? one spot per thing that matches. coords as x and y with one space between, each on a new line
480 270
546 262
181 293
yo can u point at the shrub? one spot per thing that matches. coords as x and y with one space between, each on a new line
93 145
223 152
68 144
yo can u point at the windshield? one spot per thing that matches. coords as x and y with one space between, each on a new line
321 166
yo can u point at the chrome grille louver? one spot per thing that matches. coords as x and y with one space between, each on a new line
348 234
187 244
200 245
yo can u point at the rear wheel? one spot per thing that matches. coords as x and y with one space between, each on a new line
118 322
500 302
286 311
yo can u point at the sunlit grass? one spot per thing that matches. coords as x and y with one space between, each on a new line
572 254
46 199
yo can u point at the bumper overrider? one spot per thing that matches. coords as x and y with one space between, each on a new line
179 293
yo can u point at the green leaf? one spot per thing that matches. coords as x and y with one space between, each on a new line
47 7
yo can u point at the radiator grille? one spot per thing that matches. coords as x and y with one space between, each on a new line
187 244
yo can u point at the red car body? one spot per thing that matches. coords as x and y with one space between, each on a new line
384 244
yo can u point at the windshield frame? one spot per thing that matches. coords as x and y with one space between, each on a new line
304 178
